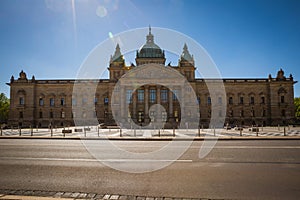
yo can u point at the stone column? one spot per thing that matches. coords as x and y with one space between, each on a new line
123 103
170 104
146 101
182 102
134 102
158 114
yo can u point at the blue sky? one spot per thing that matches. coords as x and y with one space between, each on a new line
51 38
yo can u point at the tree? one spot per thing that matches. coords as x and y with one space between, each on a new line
297 107
4 108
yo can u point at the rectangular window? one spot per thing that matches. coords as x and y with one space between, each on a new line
198 100
41 101
62 114
208 101
241 100
175 95
51 114
84 101
264 113
283 113
73 102
51 101
152 96
220 100
282 99
62 101
21 114
252 113
220 113
263 100
230 101
164 95
106 100
21 101
231 113
128 96
140 95
164 116
252 100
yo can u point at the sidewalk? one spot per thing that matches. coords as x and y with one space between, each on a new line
46 195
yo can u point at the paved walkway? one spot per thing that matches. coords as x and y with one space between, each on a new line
47 195
187 133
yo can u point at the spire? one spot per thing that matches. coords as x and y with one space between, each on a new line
186 54
117 57
150 38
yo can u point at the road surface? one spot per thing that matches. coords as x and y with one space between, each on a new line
241 169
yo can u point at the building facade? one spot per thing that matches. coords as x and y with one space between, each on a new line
257 101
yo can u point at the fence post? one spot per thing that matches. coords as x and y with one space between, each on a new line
51 130
20 131
159 132
134 132
173 131
98 130
199 131
284 132
120 132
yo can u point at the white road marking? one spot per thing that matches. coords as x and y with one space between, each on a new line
90 160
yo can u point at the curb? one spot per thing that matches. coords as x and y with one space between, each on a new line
157 138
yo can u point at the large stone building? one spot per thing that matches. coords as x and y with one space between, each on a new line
267 101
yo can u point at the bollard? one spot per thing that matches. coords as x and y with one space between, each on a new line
134 131
173 131
159 132
284 133
199 131
1 130
214 131
31 131
98 130
278 127
120 132
241 131
37 128
51 131
20 131
256 130
84 131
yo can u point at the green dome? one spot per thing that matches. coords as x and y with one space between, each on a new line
150 49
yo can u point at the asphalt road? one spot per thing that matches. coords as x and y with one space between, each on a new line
248 169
